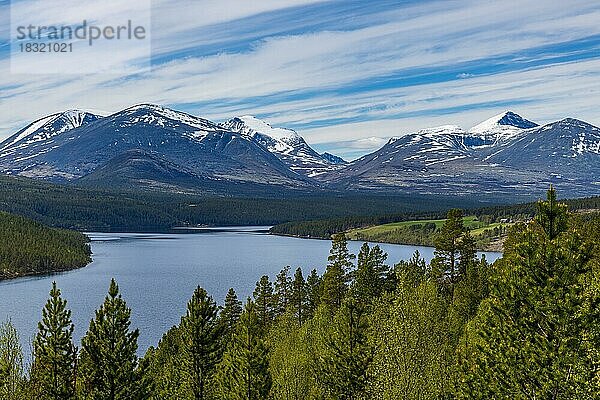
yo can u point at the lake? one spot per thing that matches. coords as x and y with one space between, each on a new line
157 274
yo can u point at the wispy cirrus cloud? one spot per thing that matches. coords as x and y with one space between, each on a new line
343 71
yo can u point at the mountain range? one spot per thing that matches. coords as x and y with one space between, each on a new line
150 147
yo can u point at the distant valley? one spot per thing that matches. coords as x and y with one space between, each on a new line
154 148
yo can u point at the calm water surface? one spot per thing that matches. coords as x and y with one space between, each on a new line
157 274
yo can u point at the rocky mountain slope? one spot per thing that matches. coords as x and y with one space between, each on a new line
152 147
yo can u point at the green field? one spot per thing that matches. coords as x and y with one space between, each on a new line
423 232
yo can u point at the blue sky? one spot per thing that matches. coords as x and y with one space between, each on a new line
347 75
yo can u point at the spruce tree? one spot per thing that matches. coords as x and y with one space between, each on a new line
108 356
54 353
338 272
201 333
264 301
243 373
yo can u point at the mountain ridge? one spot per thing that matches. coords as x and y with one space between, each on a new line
506 153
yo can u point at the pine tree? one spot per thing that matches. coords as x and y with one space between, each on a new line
534 336
313 292
298 298
550 215
53 350
167 370
410 273
243 372
264 301
108 356
371 274
230 314
447 245
467 254
344 363
337 274
201 333
283 290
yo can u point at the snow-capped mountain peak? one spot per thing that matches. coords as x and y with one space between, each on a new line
47 127
162 116
284 143
506 119
500 128
256 125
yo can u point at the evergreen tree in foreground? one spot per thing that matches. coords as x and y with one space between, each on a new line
371 274
108 357
53 350
313 292
447 246
338 272
264 301
536 335
347 355
283 291
298 298
230 314
243 372
201 333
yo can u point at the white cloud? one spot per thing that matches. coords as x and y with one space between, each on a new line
435 34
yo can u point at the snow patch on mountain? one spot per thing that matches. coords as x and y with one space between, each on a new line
255 125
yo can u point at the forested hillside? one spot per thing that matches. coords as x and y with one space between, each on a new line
525 327
104 211
30 248
324 228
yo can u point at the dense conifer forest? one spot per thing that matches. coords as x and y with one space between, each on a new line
30 248
102 211
525 327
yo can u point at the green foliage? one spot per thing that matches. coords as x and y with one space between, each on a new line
409 334
525 327
282 291
347 354
290 360
313 292
55 355
337 274
201 332
166 368
264 302
447 245
299 297
231 312
29 248
12 379
371 274
536 334
108 357
243 372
